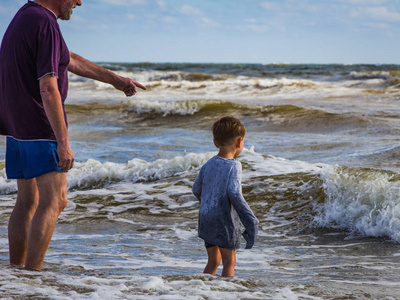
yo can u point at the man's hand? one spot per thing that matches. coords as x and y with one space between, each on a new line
66 156
128 86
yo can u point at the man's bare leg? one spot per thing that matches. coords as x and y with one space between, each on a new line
52 200
20 220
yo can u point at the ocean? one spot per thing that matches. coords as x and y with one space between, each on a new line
321 171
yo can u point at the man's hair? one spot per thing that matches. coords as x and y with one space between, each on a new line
226 129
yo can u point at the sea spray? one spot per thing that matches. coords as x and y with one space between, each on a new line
361 201
93 173
166 108
7 186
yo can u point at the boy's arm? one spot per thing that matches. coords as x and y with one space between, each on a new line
197 185
82 67
246 215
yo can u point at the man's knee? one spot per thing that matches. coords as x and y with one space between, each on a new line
63 200
28 194
53 190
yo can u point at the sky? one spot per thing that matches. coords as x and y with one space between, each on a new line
231 31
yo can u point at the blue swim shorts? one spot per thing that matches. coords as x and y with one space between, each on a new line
30 159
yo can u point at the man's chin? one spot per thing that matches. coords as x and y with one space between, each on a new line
66 17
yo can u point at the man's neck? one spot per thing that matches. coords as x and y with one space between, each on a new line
49 5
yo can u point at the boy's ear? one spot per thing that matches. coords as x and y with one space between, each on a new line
215 144
239 141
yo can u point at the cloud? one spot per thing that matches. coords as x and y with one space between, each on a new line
190 10
256 28
124 2
364 2
378 13
99 27
161 3
168 19
377 25
270 5
209 22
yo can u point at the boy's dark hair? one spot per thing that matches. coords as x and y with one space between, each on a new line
226 129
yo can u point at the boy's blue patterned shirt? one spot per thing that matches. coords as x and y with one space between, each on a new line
222 206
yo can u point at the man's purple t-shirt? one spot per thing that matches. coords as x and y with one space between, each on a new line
32 47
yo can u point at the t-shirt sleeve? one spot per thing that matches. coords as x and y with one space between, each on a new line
238 202
48 53
197 185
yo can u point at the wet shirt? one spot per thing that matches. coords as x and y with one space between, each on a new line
32 48
222 206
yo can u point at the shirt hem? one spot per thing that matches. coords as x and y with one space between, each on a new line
52 73
31 139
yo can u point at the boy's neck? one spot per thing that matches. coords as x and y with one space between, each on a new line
226 155
231 151
228 152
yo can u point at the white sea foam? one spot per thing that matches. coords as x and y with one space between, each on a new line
364 202
172 86
262 165
370 75
7 186
93 171
167 107
287 293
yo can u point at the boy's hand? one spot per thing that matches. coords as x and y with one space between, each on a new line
249 239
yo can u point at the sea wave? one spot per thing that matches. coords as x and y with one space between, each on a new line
196 81
93 173
261 118
258 117
355 202
179 82
361 201
374 74
236 84
291 195
371 75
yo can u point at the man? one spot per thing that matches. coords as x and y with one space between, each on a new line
34 65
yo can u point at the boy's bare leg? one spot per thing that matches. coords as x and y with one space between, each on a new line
52 200
214 259
20 220
228 262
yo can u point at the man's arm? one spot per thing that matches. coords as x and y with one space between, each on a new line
82 67
53 107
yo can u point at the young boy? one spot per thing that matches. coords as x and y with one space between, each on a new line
222 206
